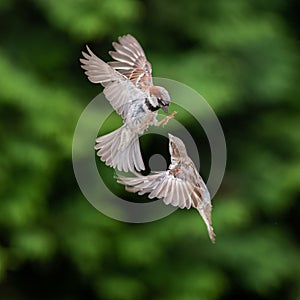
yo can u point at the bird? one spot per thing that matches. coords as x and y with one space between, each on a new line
181 185
129 88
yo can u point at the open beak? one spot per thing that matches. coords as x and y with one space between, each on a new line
165 108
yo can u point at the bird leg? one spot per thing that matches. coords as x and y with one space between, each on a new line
166 119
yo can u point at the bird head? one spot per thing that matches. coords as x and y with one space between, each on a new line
177 149
162 96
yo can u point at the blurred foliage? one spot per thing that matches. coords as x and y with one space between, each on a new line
243 57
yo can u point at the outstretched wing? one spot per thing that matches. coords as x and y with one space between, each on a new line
131 61
118 90
173 190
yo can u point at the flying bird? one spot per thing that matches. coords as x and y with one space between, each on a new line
129 88
181 185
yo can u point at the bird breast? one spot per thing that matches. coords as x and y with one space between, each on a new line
139 117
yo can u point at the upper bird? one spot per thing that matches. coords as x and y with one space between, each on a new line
181 185
128 87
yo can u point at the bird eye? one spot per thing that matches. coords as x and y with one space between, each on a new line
161 101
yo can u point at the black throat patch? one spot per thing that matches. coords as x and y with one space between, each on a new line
150 106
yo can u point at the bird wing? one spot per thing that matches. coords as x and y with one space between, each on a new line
118 90
173 190
131 61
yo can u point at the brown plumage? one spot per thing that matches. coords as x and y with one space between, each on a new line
181 185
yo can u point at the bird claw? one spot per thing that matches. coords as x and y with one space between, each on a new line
166 119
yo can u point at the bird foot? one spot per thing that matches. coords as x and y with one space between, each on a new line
166 119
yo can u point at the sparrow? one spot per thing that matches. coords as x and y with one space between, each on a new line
129 88
181 185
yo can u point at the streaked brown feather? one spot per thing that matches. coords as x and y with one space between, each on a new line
135 65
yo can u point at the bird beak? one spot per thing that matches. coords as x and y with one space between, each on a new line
165 108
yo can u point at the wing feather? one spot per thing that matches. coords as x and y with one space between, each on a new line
163 185
131 61
141 184
118 89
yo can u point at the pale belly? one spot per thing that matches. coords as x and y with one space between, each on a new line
139 119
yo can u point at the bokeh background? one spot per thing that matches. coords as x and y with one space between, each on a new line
243 57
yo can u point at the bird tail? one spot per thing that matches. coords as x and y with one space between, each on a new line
120 149
206 216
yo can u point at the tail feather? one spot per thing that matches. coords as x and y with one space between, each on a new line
120 149
205 214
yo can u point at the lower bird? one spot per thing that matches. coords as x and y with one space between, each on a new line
181 185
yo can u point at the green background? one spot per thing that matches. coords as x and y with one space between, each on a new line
243 57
